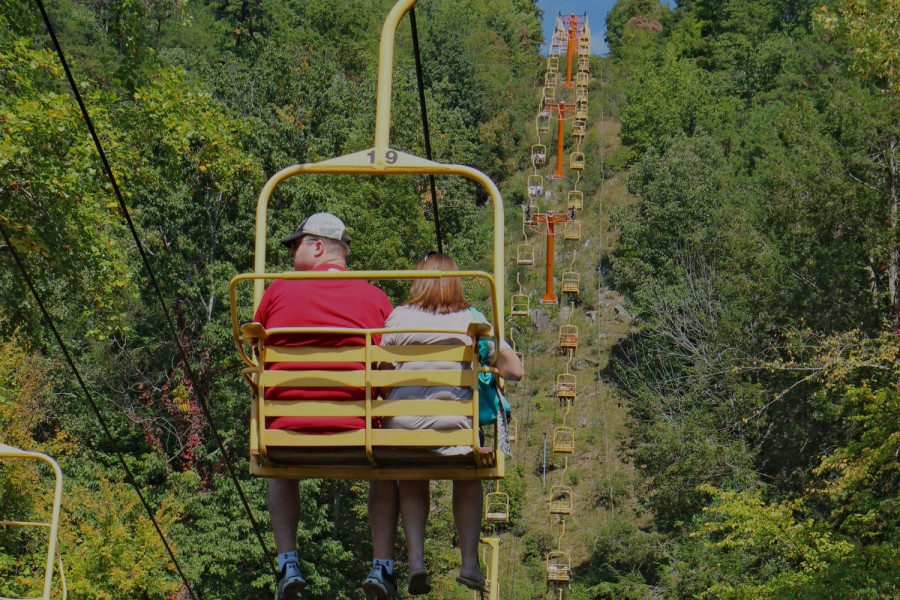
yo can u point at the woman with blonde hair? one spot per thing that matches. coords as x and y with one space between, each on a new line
439 304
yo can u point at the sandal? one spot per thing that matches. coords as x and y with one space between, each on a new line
419 583
474 584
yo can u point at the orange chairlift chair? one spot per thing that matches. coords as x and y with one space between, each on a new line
369 452
51 526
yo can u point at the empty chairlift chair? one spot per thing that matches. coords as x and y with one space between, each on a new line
572 230
560 500
538 155
584 64
563 440
524 255
553 64
519 303
582 78
513 430
576 162
549 93
551 78
496 506
571 282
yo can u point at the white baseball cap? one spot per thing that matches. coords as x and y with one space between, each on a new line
321 224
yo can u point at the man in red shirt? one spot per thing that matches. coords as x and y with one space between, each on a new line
321 243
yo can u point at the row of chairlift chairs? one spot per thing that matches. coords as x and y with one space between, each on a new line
561 497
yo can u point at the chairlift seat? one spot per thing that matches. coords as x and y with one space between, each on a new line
563 440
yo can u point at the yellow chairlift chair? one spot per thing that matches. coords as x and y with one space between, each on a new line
513 430
563 439
571 282
579 129
576 162
581 93
559 569
572 230
524 254
581 110
566 385
584 48
52 526
575 200
538 155
582 78
553 64
584 64
560 500
551 78
535 186
542 121
496 506
519 303
549 93
369 452
568 333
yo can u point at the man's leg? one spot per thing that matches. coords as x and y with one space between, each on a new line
284 510
384 512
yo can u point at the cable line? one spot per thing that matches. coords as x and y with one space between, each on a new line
129 475
127 215
421 85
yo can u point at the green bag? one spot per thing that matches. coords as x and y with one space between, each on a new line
490 396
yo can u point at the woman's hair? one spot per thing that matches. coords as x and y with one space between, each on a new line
440 296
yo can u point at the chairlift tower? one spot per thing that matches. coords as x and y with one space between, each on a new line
544 223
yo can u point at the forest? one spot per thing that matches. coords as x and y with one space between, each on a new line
759 255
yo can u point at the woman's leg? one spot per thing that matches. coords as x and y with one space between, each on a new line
467 509
415 502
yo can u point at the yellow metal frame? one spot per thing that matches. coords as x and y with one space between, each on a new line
582 78
538 155
549 93
52 526
519 304
584 64
581 93
491 545
568 336
551 78
566 385
542 121
380 160
514 426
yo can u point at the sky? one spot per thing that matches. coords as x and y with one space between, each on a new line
596 13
